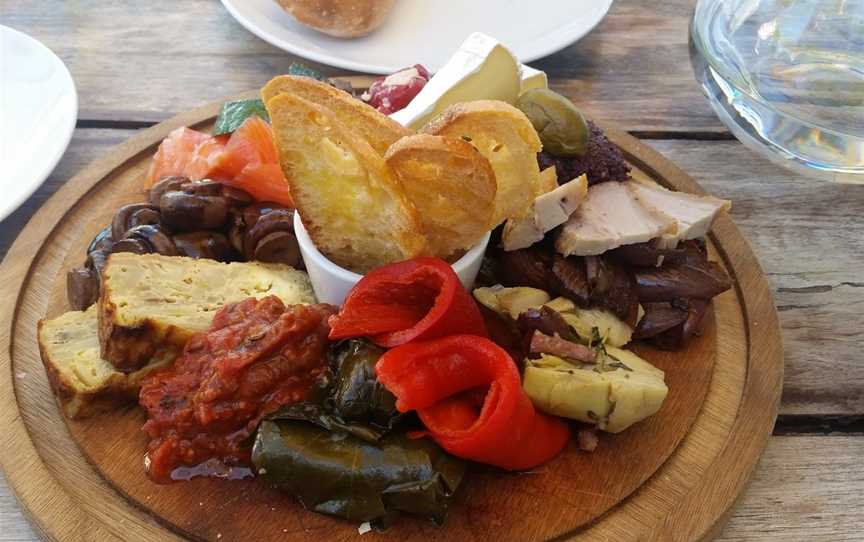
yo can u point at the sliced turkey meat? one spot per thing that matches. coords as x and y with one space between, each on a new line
693 214
611 216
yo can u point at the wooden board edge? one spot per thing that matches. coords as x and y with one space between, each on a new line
765 362
20 258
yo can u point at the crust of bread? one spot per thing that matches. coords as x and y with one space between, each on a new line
340 18
452 186
354 209
505 136
379 130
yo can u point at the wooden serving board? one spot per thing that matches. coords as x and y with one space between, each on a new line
671 477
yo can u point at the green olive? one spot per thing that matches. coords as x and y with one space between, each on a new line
561 127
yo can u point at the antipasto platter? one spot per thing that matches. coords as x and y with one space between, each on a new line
293 316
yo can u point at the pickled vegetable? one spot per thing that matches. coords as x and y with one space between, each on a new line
561 127
614 393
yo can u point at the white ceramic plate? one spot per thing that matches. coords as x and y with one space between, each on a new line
428 31
38 110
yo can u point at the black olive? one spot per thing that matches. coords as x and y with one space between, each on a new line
193 212
166 184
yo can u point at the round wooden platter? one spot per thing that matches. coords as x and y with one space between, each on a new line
674 476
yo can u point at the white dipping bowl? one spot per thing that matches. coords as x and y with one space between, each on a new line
332 282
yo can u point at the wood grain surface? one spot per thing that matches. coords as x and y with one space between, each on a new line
138 63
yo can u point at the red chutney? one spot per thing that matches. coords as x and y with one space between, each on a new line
257 356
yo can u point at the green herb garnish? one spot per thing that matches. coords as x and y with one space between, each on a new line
234 114
305 71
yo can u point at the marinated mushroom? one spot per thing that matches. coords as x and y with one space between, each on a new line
102 240
182 211
129 216
277 220
82 287
278 247
153 237
235 196
205 187
166 184
204 244
135 246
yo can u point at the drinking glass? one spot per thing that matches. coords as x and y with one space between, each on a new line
787 78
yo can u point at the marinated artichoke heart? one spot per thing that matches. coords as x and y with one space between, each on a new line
615 332
511 301
514 301
614 393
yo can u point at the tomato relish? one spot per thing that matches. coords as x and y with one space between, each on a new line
257 356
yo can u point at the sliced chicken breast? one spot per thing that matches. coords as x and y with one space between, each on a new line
694 215
611 216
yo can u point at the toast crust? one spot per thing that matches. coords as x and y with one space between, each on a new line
505 136
353 207
452 186
379 130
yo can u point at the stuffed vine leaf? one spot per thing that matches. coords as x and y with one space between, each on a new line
348 397
336 473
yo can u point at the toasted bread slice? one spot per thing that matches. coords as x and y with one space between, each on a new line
150 302
354 209
83 382
379 130
548 180
452 186
505 136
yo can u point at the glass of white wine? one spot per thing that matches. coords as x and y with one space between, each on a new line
787 78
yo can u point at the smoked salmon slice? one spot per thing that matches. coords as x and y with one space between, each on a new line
174 154
248 160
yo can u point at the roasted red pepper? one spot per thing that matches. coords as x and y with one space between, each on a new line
440 378
416 299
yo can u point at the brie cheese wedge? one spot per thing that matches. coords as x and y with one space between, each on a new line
481 69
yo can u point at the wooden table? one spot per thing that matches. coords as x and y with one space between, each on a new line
137 64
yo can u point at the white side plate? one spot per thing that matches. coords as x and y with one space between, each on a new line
428 32
38 110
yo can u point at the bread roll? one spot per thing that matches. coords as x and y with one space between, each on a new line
340 18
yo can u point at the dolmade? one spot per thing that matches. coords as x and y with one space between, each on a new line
348 397
338 474
357 395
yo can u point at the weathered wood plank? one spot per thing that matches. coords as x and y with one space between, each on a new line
148 61
806 488
807 234
809 237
